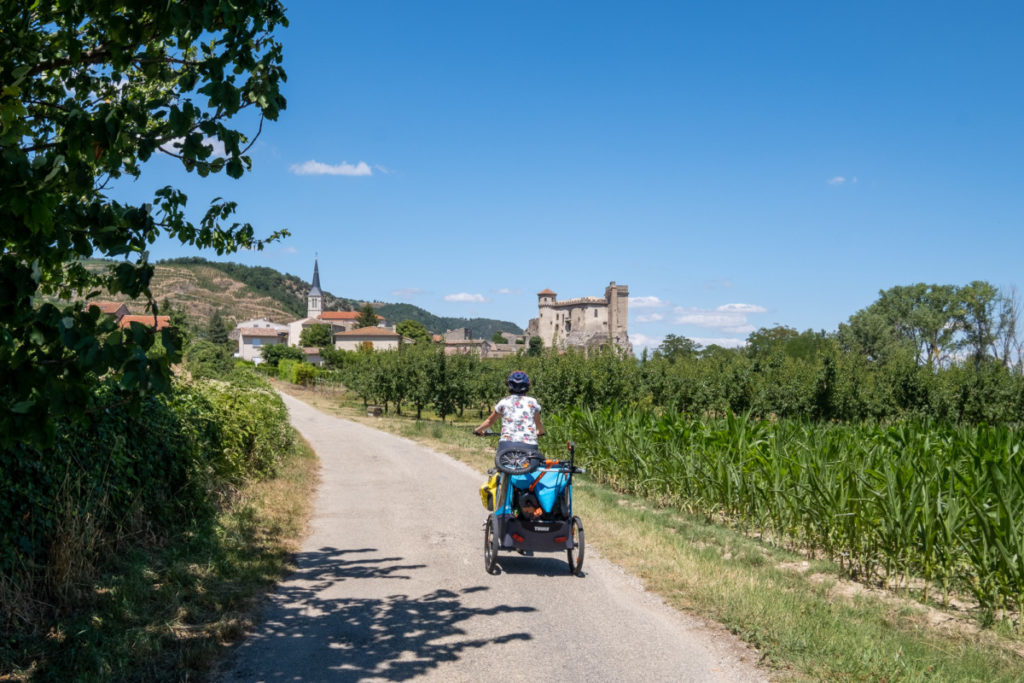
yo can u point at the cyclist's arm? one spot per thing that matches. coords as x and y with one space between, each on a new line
486 423
540 425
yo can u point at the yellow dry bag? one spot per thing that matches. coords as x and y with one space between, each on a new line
489 492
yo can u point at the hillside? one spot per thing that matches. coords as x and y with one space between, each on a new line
199 287
480 328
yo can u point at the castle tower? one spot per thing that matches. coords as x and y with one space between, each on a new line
314 300
617 297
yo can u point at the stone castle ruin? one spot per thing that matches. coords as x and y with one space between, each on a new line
583 323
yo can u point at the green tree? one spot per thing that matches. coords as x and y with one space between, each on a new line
413 330
443 385
178 318
318 335
217 329
273 354
87 95
921 316
367 317
674 348
499 338
536 347
206 359
419 374
978 318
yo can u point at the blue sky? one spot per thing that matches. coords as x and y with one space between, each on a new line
737 164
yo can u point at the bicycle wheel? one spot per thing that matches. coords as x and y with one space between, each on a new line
490 546
515 462
575 553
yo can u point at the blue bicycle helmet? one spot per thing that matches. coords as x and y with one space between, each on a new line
518 382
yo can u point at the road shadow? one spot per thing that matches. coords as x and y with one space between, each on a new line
307 635
538 564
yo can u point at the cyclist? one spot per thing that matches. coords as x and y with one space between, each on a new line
519 413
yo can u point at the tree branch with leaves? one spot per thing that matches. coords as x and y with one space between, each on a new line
88 94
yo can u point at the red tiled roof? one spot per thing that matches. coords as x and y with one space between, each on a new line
368 332
260 332
108 307
162 321
546 291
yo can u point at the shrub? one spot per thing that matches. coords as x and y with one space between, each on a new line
205 359
304 374
127 471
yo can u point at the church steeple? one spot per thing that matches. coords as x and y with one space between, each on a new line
314 300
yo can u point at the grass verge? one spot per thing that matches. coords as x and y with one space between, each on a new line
807 622
166 613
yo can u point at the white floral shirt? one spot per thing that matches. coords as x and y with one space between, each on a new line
517 422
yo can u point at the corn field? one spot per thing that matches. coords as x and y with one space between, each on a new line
938 504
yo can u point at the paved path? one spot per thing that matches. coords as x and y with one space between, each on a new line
391 586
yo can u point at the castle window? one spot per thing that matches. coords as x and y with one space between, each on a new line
595 312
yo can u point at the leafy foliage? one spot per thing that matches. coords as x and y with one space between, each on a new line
217 329
207 360
413 330
367 317
316 335
88 95
120 475
273 354
886 501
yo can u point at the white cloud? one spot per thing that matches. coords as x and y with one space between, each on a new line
646 302
727 317
651 318
463 297
506 290
708 318
642 341
407 293
383 169
724 342
838 180
174 146
289 250
741 308
344 168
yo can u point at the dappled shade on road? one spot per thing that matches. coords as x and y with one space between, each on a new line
396 637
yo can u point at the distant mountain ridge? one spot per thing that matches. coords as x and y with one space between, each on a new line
479 328
241 292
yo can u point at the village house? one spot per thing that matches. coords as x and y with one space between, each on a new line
460 340
112 308
158 322
253 335
375 338
124 318
251 341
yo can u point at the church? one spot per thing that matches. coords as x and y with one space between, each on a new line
255 334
